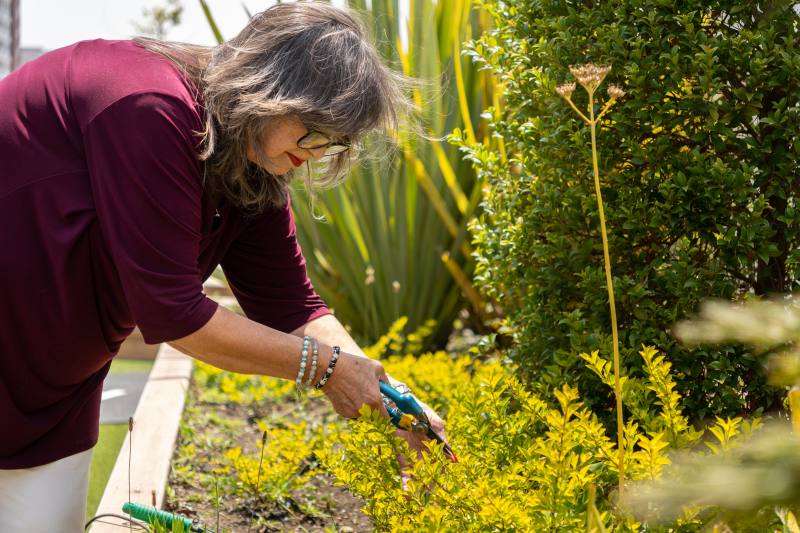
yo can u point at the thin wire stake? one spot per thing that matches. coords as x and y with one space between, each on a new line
216 497
130 454
258 478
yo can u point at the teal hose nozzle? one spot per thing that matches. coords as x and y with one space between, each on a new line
151 515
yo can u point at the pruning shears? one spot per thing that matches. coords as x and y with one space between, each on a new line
407 413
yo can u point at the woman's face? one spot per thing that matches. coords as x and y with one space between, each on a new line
279 146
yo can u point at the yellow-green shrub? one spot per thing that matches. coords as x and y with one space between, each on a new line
280 466
395 341
219 386
524 464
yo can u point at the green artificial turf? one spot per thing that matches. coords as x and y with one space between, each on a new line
103 459
125 366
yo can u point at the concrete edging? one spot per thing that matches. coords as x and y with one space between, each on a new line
155 432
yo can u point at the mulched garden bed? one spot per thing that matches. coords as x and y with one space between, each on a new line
197 487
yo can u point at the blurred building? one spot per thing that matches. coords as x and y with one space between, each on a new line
27 53
9 36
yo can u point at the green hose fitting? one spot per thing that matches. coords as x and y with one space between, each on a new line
148 514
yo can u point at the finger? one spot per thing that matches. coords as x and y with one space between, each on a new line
383 410
434 419
414 440
382 376
405 474
407 436
436 422
439 428
392 381
381 406
349 412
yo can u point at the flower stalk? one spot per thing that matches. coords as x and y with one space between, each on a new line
794 407
590 77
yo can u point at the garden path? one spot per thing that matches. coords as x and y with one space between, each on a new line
121 394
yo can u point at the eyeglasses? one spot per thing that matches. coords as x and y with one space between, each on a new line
314 140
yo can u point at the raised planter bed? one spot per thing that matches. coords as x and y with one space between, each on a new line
193 472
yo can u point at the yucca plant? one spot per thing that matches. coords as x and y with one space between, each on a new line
394 240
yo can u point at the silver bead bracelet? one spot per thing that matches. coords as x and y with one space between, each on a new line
298 382
314 355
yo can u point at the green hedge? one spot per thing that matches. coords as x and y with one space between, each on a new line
699 168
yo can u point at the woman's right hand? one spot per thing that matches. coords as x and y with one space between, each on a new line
354 382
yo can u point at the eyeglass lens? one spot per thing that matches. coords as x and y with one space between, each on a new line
314 140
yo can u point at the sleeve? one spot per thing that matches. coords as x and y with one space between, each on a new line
267 273
145 179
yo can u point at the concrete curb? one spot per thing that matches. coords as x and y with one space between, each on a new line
155 431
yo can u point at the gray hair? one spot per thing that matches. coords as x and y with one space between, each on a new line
307 59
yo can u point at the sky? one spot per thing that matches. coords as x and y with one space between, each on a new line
51 24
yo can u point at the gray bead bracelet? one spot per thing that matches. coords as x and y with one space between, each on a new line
298 382
314 355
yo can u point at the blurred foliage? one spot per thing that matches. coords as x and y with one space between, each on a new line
396 341
743 483
771 327
160 18
219 386
747 479
699 183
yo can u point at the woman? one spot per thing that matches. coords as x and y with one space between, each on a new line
130 170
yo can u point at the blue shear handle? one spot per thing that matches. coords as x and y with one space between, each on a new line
395 415
406 402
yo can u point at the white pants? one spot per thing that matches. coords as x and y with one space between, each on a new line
46 498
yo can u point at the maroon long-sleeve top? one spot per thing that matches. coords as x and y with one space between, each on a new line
104 224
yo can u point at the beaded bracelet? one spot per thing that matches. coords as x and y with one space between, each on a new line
330 368
303 357
314 356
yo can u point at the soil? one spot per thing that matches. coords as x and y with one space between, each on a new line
319 506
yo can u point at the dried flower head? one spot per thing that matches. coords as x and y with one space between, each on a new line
615 92
566 90
590 76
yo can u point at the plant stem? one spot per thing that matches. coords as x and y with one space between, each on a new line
216 498
794 408
260 463
130 459
611 304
